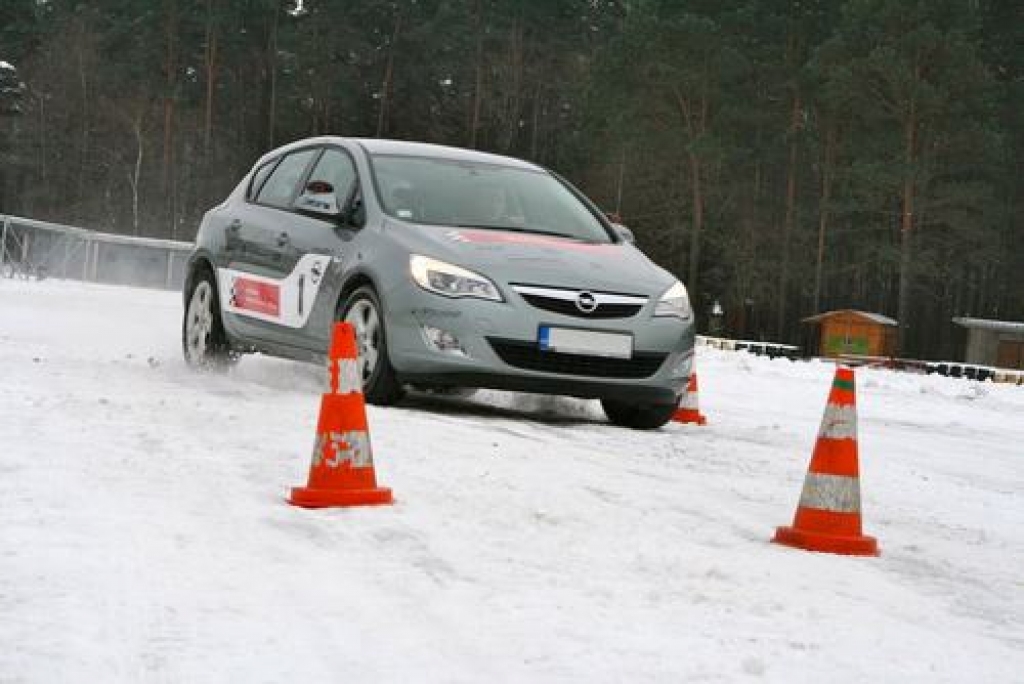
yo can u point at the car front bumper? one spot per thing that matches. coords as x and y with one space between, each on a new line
499 349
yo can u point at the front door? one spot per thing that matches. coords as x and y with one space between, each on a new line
1010 354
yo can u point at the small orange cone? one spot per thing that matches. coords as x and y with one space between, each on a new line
828 515
689 409
342 471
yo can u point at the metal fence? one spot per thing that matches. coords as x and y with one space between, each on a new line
37 249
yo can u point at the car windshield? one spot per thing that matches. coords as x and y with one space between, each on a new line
479 195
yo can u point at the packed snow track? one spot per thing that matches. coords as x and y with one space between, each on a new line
144 535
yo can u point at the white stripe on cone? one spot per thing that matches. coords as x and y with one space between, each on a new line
352 446
349 377
836 493
839 422
689 401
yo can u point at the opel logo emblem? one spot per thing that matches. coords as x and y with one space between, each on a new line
586 302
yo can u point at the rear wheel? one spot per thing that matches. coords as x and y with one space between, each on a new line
203 340
638 416
363 310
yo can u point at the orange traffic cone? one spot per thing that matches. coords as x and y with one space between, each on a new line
342 471
828 515
689 409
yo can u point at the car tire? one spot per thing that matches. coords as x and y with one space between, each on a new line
363 310
637 416
203 340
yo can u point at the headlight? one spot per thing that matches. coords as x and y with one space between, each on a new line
449 280
675 302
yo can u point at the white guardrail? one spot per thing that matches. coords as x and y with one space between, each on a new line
39 249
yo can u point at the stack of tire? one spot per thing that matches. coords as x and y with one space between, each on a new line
958 370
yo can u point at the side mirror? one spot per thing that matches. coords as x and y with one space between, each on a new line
625 233
353 214
320 199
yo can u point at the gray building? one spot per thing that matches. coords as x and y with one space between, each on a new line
993 343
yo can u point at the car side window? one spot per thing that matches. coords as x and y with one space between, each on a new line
258 179
282 185
332 179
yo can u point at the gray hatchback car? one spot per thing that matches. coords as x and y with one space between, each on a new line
458 269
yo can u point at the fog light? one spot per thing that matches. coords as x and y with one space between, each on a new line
443 341
682 368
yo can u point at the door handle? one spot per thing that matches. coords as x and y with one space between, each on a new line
235 225
283 239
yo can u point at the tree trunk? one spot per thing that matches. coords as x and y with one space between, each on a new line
535 138
83 78
790 218
695 124
478 86
515 87
170 84
136 171
211 77
620 183
906 228
389 74
272 78
697 193
827 170
43 153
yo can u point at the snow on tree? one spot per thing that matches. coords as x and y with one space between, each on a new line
11 89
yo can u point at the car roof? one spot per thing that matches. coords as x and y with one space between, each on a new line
409 148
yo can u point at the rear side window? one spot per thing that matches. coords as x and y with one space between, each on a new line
258 178
282 185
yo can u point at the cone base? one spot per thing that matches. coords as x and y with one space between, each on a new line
337 498
826 543
689 416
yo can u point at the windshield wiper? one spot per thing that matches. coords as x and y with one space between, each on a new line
518 229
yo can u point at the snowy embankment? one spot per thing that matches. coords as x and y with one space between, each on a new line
144 536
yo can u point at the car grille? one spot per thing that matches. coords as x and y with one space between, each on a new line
563 301
530 357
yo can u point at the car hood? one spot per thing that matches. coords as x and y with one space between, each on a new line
545 260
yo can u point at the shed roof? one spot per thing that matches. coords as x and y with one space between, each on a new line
988 324
871 317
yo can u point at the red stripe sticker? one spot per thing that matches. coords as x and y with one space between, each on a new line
256 296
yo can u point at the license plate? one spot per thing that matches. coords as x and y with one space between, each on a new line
589 342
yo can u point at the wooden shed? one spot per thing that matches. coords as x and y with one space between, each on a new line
856 333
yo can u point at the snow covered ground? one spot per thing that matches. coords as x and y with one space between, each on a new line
144 536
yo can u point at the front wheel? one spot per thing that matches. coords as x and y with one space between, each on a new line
637 416
363 310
